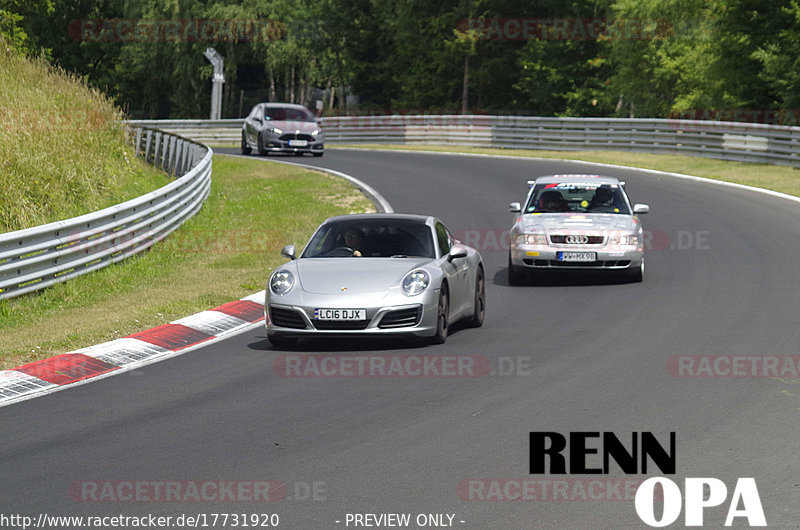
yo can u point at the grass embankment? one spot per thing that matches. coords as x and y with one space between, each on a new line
221 254
63 151
778 178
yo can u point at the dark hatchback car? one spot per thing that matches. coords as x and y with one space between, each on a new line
282 128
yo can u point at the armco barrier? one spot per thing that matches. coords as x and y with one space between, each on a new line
37 257
744 142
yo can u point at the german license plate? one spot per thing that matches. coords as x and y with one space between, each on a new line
340 314
577 256
298 143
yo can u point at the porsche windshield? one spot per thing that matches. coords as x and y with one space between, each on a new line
581 197
371 238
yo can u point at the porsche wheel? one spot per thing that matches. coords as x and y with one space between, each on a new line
442 317
479 309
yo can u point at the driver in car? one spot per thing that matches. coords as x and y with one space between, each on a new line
602 198
354 240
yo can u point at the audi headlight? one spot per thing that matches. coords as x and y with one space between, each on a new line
281 282
624 240
416 282
531 239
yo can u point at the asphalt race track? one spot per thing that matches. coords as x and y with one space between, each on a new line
585 354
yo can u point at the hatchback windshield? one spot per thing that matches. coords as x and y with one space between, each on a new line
374 238
287 114
583 197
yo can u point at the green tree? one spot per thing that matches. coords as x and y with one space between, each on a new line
17 18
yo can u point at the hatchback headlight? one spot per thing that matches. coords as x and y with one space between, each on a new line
275 130
531 239
315 132
416 282
281 282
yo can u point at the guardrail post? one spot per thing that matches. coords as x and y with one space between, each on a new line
138 144
157 149
179 168
171 157
148 145
187 149
165 152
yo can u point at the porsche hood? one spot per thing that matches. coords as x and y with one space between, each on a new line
355 275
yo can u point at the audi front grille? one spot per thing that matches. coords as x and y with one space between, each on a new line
577 240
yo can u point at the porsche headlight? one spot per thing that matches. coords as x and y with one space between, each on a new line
531 239
281 282
416 282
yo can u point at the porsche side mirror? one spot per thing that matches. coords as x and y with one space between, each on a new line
456 252
288 252
514 207
640 209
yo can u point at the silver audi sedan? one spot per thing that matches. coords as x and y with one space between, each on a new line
569 222
282 128
379 275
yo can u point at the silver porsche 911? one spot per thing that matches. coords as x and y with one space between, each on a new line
576 222
375 274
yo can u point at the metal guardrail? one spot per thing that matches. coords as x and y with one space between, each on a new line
35 258
743 142
203 131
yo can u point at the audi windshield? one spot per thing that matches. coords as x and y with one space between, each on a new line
580 197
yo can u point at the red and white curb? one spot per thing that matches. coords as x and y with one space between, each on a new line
145 347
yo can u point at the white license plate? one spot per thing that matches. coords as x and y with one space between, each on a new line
340 314
577 256
298 143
